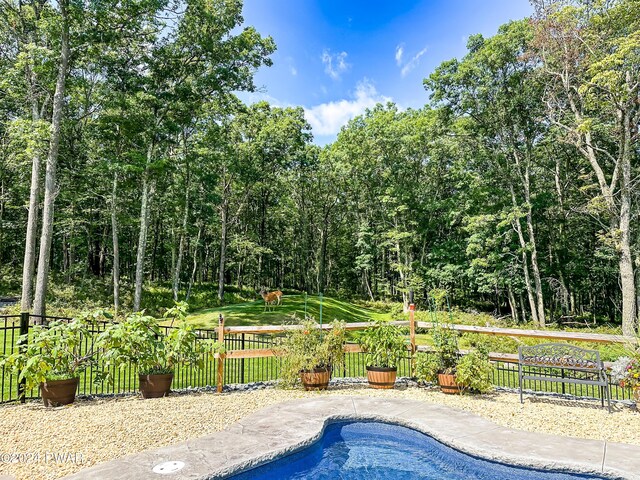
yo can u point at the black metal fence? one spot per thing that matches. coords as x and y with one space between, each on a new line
9 336
244 370
125 380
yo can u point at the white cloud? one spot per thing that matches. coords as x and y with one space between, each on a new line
293 71
334 65
250 98
399 53
407 67
328 118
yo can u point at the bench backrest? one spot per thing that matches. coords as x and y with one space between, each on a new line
559 355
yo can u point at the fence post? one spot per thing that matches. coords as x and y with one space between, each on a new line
220 355
22 346
412 337
242 362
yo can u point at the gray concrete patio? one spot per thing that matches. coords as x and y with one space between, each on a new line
290 426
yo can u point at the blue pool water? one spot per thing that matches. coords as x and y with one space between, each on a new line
372 450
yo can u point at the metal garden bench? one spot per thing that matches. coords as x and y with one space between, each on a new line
563 357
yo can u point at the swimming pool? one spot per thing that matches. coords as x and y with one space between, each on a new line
374 450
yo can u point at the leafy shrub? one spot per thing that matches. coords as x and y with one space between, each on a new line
473 372
309 347
378 305
396 310
384 344
445 343
55 352
139 340
427 367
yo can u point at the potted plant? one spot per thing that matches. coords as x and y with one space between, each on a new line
139 341
308 354
626 372
454 372
384 345
53 359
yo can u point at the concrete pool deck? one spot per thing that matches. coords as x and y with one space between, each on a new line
290 426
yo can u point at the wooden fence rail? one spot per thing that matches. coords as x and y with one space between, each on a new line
546 334
505 332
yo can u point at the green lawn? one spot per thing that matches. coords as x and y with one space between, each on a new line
253 313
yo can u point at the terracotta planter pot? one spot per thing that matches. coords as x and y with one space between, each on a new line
316 379
155 386
59 392
448 384
381 377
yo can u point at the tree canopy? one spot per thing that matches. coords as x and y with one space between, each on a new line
513 190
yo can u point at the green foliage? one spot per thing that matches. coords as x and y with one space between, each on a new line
420 201
445 344
494 343
88 293
53 352
443 359
439 298
473 371
427 367
309 347
384 344
138 340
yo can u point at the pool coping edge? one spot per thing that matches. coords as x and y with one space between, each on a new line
288 427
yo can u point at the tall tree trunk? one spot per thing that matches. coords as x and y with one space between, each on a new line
29 264
239 278
39 306
619 229
534 268
147 188
157 240
525 262
403 280
262 233
195 263
627 279
178 266
365 275
322 260
525 177
183 233
512 304
204 274
523 310
116 245
224 211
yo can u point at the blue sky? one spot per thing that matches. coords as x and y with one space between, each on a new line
337 58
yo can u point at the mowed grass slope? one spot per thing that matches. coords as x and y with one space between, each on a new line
290 310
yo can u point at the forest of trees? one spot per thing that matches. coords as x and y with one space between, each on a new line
126 157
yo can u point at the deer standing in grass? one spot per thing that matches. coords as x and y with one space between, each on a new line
270 297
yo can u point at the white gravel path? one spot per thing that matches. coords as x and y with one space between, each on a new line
94 431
